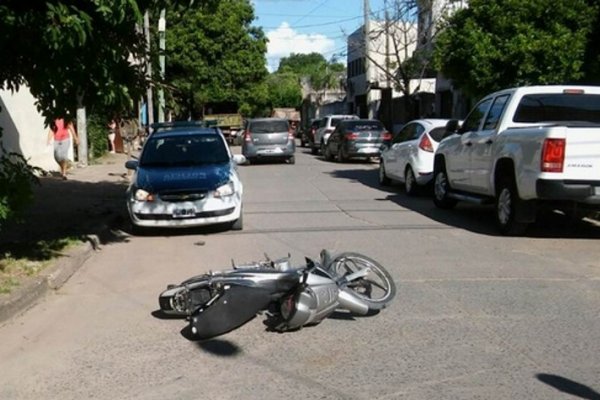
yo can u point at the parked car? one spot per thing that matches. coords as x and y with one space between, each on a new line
524 149
409 159
185 176
356 138
308 134
327 125
268 138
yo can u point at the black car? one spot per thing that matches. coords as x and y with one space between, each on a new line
356 138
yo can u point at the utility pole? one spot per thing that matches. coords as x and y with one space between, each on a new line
368 69
162 25
150 103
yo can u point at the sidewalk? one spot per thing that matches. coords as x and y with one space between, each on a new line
89 204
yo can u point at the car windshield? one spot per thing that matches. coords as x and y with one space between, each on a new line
364 125
184 151
269 126
559 107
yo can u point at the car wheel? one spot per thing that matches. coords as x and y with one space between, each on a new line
410 183
314 150
507 200
238 224
383 179
441 189
291 160
323 148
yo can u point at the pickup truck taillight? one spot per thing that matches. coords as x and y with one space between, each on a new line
425 144
553 155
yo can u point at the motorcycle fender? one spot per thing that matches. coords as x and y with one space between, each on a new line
236 306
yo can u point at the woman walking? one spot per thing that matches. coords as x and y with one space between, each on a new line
61 133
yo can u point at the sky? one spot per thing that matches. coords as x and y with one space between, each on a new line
307 26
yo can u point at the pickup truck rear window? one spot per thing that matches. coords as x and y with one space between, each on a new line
559 107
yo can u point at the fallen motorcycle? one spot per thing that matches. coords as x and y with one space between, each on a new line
218 302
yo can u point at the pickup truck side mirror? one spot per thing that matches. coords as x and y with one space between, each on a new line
451 128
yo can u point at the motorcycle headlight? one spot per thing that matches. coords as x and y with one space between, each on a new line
142 195
225 190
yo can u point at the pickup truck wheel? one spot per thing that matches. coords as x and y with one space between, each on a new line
441 188
383 178
506 204
410 183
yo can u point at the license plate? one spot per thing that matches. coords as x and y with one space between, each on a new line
271 151
184 213
597 191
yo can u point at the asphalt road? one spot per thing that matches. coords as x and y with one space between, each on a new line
477 315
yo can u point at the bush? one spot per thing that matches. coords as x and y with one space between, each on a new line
17 178
97 135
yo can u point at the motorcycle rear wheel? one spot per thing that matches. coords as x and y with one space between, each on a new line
376 288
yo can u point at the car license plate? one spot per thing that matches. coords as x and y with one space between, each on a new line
184 213
596 190
271 151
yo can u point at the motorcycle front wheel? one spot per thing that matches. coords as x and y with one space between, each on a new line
365 277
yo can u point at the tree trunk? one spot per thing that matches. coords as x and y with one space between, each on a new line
82 150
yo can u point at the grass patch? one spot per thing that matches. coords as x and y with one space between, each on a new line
19 261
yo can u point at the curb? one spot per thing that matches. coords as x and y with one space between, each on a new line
50 279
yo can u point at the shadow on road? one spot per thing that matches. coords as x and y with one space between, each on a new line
67 209
474 218
568 386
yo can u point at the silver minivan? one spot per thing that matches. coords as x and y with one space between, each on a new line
268 138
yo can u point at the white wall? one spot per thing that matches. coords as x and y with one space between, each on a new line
23 129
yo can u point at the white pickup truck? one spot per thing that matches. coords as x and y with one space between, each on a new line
523 149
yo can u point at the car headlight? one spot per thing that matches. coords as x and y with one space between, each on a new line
143 195
225 190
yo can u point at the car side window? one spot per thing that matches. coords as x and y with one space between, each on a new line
419 129
491 121
405 134
473 120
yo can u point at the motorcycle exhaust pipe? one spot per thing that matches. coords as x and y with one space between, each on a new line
350 302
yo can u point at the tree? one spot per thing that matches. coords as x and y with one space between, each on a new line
284 89
74 52
213 55
495 44
70 54
321 74
400 46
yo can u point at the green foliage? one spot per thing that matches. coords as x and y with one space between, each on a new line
213 55
17 178
284 90
73 51
97 135
321 74
494 44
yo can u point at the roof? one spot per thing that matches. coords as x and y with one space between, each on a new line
185 131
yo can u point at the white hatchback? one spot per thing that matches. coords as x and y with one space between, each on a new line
409 159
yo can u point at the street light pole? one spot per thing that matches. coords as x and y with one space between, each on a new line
162 25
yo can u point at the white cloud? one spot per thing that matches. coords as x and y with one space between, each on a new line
284 40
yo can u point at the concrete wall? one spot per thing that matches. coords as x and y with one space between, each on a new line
23 129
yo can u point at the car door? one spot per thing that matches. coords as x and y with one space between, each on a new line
397 149
335 140
482 146
459 164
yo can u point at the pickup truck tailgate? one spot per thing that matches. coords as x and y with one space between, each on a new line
582 154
